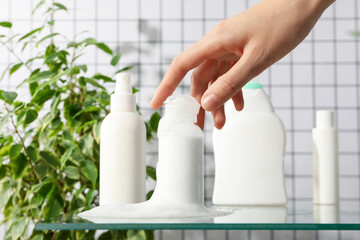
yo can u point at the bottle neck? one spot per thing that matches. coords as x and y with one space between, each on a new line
179 113
123 103
324 119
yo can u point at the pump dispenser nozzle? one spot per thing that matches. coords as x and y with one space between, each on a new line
123 99
123 83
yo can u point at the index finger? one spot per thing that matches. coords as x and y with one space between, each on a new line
187 60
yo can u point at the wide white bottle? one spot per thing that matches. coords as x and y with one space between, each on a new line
122 148
249 153
325 160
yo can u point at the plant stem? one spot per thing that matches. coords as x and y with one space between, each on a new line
81 96
51 20
70 89
71 75
22 143
16 56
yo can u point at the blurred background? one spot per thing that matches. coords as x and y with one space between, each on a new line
323 72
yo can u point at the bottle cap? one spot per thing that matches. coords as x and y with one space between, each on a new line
182 107
123 83
123 99
324 119
253 85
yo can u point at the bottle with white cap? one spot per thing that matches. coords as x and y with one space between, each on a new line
122 148
325 160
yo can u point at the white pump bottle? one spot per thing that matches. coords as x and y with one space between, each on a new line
122 148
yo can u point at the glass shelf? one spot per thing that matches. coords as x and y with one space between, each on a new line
242 218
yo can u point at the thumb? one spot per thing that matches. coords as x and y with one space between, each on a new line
227 85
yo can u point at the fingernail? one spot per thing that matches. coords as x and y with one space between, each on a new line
219 121
153 98
210 102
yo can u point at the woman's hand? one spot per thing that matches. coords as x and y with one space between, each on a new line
237 50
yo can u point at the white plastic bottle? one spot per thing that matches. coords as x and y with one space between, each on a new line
180 168
122 148
325 160
249 153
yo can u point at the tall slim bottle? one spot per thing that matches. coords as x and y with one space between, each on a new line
122 148
325 160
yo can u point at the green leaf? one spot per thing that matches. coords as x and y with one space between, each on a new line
31 115
41 169
84 125
5 193
44 188
18 227
32 153
30 33
89 170
87 109
19 165
55 103
60 6
149 194
124 69
151 172
33 86
68 136
104 47
15 151
83 67
103 77
62 235
4 71
9 97
41 75
136 235
94 83
51 159
90 195
38 237
54 206
154 121
42 96
66 156
6 24
75 70
15 68
134 90
4 120
96 131
89 41
72 172
86 145
36 201
3 172
46 37
115 59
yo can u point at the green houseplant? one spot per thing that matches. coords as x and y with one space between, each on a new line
49 143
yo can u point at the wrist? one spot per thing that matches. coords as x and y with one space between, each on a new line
319 6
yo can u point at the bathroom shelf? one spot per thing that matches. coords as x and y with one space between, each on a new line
244 218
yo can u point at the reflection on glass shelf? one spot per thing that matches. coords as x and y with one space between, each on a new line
261 218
